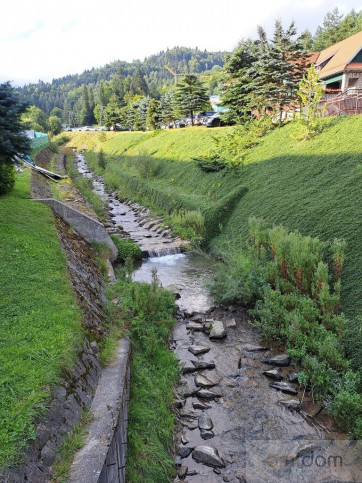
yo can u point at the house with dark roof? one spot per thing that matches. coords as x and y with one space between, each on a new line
340 65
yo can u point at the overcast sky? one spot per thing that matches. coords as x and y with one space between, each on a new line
45 39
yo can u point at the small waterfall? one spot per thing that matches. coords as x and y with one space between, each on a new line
163 252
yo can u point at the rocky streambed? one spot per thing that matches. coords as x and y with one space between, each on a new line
241 415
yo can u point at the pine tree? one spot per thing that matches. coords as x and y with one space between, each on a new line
190 95
236 80
12 139
86 114
167 107
275 75
139 84
327 34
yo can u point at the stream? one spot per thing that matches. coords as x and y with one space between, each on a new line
231 424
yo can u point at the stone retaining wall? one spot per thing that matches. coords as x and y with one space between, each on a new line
103 457
73 395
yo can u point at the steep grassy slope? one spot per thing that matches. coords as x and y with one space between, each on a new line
40 324
314 186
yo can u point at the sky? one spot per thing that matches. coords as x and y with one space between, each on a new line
45 39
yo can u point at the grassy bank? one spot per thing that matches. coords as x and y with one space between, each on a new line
313 187
145 312
40 324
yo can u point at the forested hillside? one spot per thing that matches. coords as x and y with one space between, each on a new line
66 91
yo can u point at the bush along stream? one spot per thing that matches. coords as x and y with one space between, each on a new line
237 407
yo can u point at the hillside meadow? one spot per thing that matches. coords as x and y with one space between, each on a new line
312 186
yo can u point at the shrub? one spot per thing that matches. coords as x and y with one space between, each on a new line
7 178
147 166
346 406
102 160
126 248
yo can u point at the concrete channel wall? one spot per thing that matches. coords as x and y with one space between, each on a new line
88 228
103 457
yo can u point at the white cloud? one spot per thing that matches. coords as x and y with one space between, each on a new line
45 40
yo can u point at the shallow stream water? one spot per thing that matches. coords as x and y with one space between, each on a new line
256 437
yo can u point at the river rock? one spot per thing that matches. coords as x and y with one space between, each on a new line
293 376
182 472
273 374
184 440
206 394
282 360
292 404
202 381
200 405
189 414
187 368
208 455
254 348
199 365
206 434
205 422
231 323
198 349
218 330
194 326
189 425
284 387
184 451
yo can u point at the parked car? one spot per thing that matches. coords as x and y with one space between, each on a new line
88 128
102 128
202 117
214 121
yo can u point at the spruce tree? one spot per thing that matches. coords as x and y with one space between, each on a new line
190 95
236 80
167 107
12 139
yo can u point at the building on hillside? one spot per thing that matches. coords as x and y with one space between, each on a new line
340 66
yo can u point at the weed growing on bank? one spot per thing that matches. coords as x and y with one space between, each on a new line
296 295
145 312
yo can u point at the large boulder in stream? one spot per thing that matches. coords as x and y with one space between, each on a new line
218 330
208 455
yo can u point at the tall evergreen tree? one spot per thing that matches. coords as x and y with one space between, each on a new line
327 34
139 84
86 114
276 73
190 95
236 80
167 107
12 139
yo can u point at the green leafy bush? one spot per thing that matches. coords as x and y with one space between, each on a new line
126 249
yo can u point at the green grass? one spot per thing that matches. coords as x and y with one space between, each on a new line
40 323
145 311
312 186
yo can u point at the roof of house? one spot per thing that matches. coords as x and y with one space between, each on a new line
339 56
